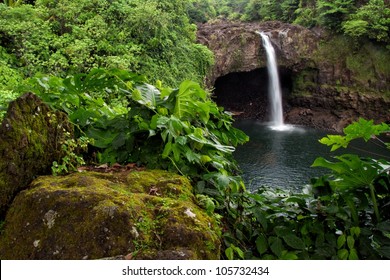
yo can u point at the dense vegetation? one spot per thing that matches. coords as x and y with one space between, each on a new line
359 19
94 60
68 37
343 215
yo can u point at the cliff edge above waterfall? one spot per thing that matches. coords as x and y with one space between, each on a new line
327 80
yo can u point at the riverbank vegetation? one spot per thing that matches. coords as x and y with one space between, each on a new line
129 74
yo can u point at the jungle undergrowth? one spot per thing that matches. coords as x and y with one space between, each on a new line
343 215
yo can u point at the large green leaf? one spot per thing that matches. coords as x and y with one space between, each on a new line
190 101
341 241
102 138
83 117
294 241
276 246
351 171
384 251
261 244
342 254
215 144
384 226
147 95
361 129
365 129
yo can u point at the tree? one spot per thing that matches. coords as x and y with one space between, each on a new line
69 36
371 20
201 10
333 12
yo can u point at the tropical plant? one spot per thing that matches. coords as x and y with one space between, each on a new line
130 120
343 215
362 187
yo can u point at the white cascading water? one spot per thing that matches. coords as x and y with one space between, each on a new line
274 90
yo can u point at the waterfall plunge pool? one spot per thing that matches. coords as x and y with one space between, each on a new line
282 158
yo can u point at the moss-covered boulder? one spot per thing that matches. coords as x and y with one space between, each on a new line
30 137
90 215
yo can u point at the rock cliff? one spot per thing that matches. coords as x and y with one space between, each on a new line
327 81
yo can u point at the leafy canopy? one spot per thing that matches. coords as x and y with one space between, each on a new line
70 37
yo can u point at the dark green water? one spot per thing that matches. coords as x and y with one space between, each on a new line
283 158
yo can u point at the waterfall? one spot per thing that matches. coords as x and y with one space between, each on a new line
274 91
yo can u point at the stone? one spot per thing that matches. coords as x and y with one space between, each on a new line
318 71
30 140
91 215
238 48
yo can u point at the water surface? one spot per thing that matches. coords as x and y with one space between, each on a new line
282 158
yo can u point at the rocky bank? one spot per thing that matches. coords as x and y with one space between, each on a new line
123 215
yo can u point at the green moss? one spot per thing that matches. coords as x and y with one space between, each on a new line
93 215
305 82
365 65
158 181
369 64
29 143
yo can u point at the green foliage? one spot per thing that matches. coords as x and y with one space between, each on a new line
6 96
363 185
282 10
306 14
371 20
69 37
132 121
360 20
232 251
72 148
9 79
201 10
343 215
333 12
13 3
26 34
361 129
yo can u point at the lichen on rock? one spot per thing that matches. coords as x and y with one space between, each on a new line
92 215
29 142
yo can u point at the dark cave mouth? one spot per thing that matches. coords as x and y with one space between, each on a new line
246 93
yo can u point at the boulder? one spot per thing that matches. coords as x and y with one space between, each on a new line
30 140
91 215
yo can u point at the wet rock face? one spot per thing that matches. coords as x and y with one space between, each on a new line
30 137
325 110
319 73
238 48
89 215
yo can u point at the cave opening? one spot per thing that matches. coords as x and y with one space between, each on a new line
246 93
